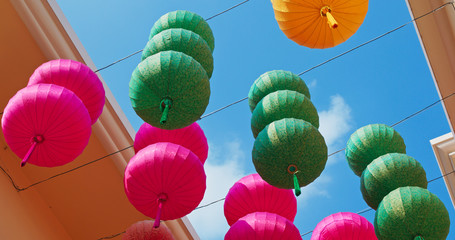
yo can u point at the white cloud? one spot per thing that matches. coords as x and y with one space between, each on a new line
335 122
223 168
312 84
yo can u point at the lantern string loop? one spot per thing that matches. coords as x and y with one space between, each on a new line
35 140
165 105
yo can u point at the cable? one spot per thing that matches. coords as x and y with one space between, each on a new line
211 113
374 39
139 51
112 236
206 205
227 10
71 170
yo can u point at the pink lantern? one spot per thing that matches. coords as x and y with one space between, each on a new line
252 194
165 181
46 125
191 137
144 230
344 226
76 77
263 226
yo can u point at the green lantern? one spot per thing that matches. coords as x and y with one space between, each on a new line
273 81
389 172
186 20
411 213
283 104
371 142
169 90
289 153
181 40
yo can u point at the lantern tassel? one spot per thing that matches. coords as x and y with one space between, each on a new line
35 141
331 21
296 185
156 224
164 106
326 12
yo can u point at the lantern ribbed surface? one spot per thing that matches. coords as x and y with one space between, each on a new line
283 104
389 172
344 226
186 20
411 213
289 143
371 142
173 77
144 230
191 137
181 40
273 81
263 226
319 23
76 77
167 173
48 119
252 194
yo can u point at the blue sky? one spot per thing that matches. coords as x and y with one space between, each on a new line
379 83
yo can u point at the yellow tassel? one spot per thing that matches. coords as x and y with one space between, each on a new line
326 12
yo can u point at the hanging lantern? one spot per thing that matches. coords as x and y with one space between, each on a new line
283 104
319 24
344 226
371 142
181 40
186 20
289 153
165 181
252 194
46 125
169 90
387 173
144 230
191 137
411 213
273 81
76 77
264 226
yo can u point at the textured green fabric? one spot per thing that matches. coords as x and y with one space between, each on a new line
285 142
272 81
389 172
283 104
186 20
181 40
409 212
172 75
371 142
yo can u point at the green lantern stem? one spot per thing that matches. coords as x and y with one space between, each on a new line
419 238
292 169
165 105
296 185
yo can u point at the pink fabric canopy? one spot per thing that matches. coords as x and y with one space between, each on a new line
191 137
165 180
46 125
263 226
252 194
144 230
76 77
344 226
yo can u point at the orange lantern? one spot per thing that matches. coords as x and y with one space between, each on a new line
319 23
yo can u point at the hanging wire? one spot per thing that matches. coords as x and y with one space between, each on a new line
112 236
139 51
